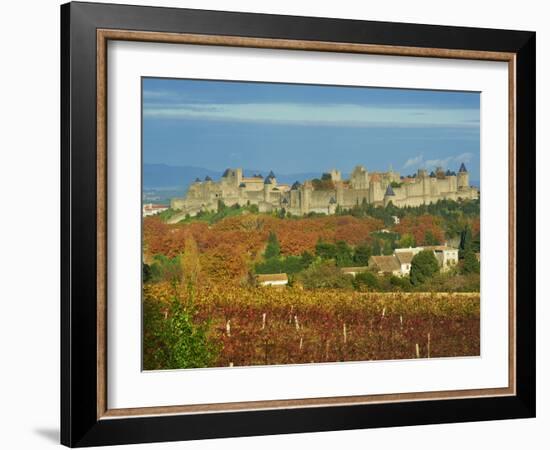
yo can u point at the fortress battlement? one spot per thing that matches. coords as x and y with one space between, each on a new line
328 193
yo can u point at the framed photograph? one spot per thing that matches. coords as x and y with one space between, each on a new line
277 224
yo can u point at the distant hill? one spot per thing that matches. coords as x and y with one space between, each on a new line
165 176
162 176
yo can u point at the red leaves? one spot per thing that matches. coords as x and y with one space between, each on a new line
308 326
419 226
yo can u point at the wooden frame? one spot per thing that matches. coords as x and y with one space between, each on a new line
86 418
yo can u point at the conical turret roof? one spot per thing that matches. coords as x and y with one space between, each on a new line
462 168
389 190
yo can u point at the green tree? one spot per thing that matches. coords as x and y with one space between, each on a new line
271 265
325 250
470 263
273 248
424 265
146 272
366 281
172 340
164 268
343 254
376 248
325 274
476 243
465 241
406 241
387 249
307 259
362 254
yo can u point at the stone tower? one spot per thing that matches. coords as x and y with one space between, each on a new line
389 195
463 178
267 188
295 198
359 178
335 175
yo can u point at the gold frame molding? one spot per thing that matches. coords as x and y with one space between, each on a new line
105 35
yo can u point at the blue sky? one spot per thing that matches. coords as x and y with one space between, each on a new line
293 128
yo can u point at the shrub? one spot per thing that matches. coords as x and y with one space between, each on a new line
366 281
325 274
172 340
164 268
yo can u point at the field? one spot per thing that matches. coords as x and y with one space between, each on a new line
259 326
204 307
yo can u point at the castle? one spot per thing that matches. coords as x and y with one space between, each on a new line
327 194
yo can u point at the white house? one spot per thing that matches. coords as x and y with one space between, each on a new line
150 209
404 259
445 255
272 279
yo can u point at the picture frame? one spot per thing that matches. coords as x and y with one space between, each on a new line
86 418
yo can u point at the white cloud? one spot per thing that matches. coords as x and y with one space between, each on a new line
414 162
418 162
308 114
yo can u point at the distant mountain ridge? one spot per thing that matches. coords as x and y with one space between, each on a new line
157 176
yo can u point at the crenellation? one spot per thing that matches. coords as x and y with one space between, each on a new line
376 188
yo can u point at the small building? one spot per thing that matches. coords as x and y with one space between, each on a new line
150 209
405 260
446 256
272 279
354 270
386 265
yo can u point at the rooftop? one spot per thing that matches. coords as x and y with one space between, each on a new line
272 277
385 263
404 257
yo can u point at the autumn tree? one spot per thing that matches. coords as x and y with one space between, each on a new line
190 265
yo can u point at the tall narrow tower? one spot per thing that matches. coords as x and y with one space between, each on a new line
267 188
463 178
